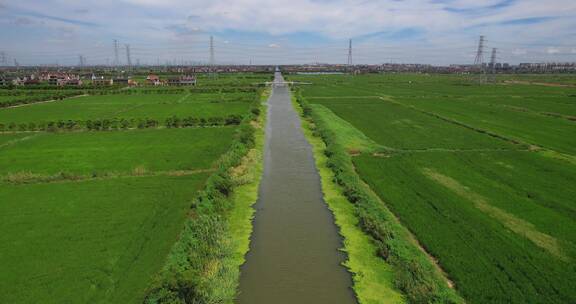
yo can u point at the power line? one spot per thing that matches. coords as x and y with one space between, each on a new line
493 65
349 63
116 59
212 59
479 60
128 60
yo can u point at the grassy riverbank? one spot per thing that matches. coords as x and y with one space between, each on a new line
373 279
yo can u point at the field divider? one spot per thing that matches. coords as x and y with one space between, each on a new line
455 122
547 114
18 104
529 146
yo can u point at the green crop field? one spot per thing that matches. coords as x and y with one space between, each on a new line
87 153
91 241
156 106
482 175
92 216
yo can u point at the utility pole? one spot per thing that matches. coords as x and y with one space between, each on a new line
479 61
116 59
128 60
493 65
350 56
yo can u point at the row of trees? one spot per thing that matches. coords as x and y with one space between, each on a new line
121 124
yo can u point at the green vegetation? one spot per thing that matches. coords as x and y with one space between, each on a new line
481 175
93 216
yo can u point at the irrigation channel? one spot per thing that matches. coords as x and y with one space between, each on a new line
293 255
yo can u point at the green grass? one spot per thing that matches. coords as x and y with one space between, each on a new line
88 153
89 242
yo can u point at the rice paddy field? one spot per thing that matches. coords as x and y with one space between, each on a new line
483 176
91 216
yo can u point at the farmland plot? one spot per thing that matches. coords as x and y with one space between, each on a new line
395 126
97 153
96 241
502 237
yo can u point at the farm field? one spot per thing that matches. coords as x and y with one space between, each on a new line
96 153
482 176
159 106
97 241
91 216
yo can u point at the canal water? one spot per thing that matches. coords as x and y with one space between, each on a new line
293 255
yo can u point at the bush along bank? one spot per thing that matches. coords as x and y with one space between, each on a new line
415 274
203 265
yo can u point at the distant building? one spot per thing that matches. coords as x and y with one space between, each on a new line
182 81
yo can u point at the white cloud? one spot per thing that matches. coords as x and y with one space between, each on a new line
445 30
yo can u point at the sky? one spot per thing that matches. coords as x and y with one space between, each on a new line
438 32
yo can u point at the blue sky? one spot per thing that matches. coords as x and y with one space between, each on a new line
296 31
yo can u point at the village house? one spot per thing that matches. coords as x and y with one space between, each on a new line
153 79
61 79
101 81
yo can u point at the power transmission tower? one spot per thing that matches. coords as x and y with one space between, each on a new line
212 71
350 56
493 65
128 60
479 61
116 59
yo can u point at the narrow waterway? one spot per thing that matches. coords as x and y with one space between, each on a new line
293 255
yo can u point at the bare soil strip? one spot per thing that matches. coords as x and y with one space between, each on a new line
44 101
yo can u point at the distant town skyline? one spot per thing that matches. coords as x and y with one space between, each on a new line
438 32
